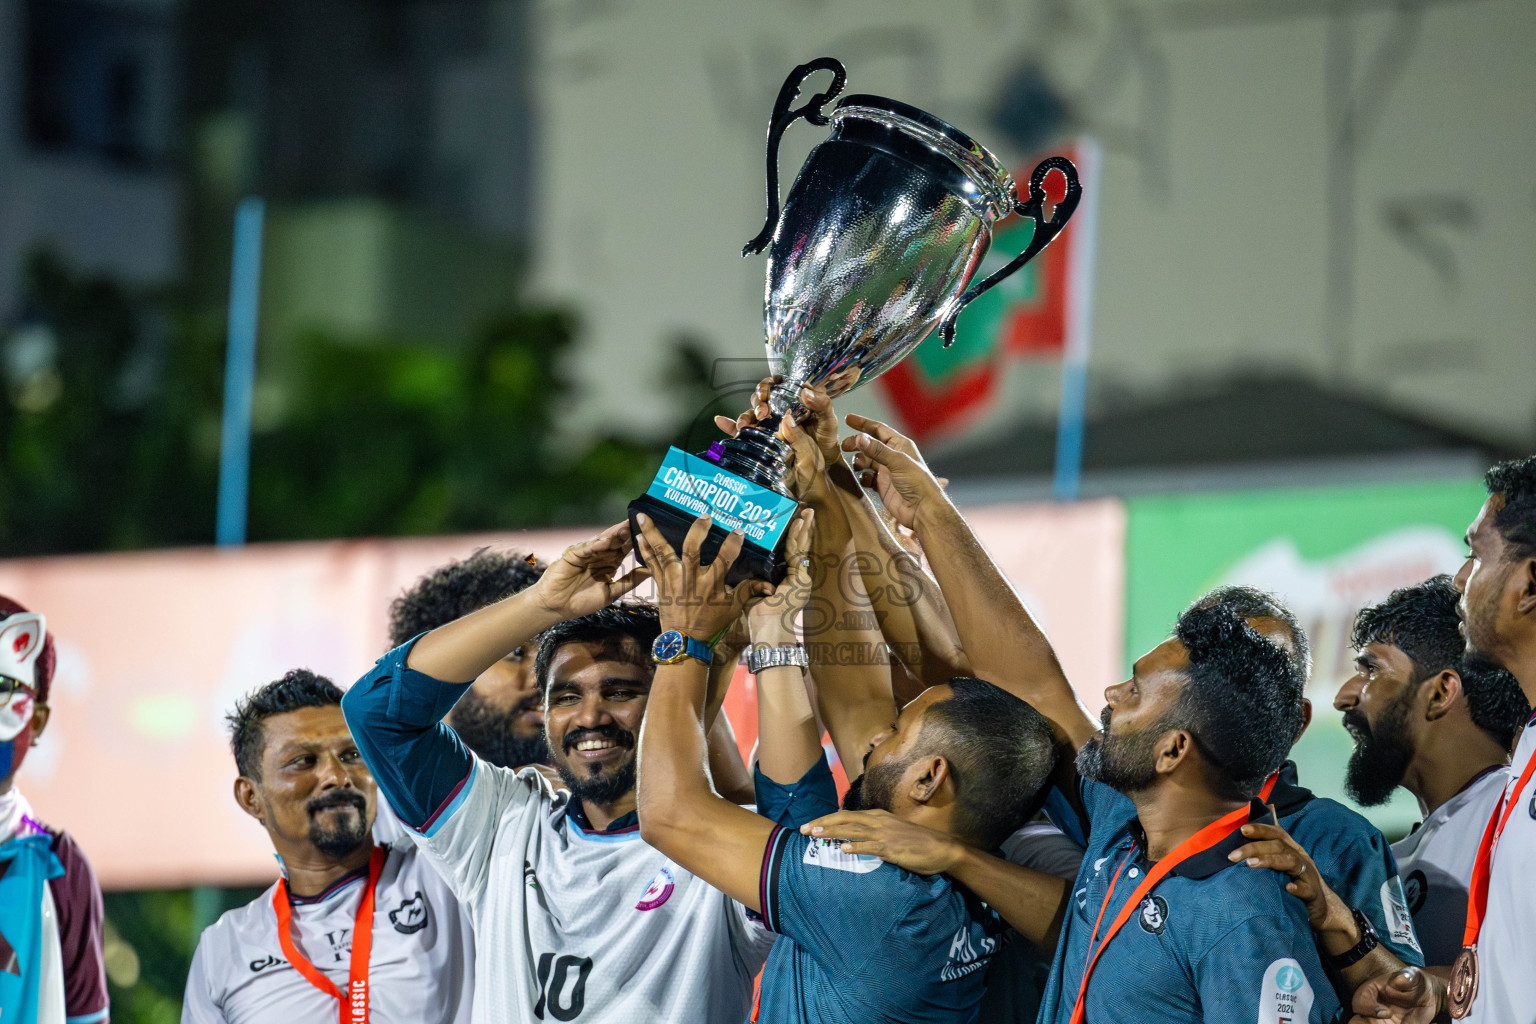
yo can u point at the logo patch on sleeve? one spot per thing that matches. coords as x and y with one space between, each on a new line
1286 995
828 853
1394 906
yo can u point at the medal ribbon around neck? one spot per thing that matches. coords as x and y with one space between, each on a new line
354 1005
1463 987
1201 841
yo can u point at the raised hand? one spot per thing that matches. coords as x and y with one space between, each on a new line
771 619
916 848
690 597
582 579
891 464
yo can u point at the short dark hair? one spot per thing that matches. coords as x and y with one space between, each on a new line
1516 521
1001 753
454 590
1241 699
1421 621
1253 603
612 630
300 688
47 658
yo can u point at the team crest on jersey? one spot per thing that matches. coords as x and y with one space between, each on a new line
659 891
965 957
1286 995
828 853
257 966
1394 906
1415 888
411 915
1154 915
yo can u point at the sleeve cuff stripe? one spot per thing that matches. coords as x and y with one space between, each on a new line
448 806
89 1018
768 881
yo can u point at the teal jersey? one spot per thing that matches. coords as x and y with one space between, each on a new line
861 940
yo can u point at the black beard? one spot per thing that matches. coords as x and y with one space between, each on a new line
853 800
1125 762
488 732
337 843
1381 755
598 787
877 786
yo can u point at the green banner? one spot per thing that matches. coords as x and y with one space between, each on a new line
1325 553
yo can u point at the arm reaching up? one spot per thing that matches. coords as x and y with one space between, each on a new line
1002 641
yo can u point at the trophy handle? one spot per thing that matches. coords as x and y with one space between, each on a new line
782 118
1045 232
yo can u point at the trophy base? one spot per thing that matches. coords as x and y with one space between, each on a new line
754 562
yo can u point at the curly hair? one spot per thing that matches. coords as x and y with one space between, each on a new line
622 632
1253 603
458 588
300 688
47 658
1241 700
1516 521
1421 621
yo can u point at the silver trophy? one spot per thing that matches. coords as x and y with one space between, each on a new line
876 244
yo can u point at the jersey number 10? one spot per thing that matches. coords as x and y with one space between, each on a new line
563 1003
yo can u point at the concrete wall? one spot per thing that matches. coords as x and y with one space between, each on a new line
1350 195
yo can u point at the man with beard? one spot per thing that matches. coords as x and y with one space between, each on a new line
1425 720
576 915
1491 980
51 966
1157 925
859 940
364 931
499 717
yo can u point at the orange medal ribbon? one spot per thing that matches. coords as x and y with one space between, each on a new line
1201 841
354 1005
1463 985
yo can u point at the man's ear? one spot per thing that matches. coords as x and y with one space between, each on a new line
1525 574
1172 747
1306 720
40 713
1442 692
249 798
933 772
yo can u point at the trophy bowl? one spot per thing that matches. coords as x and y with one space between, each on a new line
875 245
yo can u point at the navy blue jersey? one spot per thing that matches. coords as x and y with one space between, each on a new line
860 939
1215 941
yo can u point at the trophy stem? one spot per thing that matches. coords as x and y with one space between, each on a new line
758 454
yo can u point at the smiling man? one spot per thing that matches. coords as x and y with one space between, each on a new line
352 928
576 917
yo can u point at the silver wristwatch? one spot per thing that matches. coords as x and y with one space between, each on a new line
760 658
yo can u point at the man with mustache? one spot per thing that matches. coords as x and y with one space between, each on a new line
51 965
576 916
500 717
1426 720
366 932
1491 980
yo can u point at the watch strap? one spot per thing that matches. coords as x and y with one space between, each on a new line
760 659
1369 940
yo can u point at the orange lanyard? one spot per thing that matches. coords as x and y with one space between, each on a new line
1201 841
1482 868
354 1006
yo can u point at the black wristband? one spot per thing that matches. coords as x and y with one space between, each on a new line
1369 940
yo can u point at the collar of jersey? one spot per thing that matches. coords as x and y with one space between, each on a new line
625 826
1206 863
330 890
1289 794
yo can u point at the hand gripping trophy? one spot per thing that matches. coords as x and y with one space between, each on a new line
876 245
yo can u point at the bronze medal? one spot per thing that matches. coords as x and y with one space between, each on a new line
1463 986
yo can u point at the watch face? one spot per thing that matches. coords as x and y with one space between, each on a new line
668 646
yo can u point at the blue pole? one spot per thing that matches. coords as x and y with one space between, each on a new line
240 371
1070 425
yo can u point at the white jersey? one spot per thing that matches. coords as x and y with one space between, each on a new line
420 971
1435 864
574 925
1506 945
